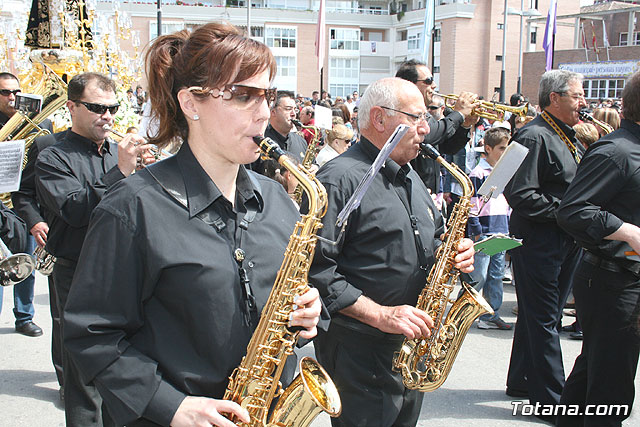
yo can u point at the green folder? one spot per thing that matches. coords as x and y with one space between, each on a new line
497 243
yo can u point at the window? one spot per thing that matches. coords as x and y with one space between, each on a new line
534 35
281 37
436 69
345 39
414 41
402 35
255 31
167 28
376 10
624 39
341 89
286 66
437 34
500 25
604 88
498 57
348 68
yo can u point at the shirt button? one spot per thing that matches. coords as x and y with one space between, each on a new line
250 264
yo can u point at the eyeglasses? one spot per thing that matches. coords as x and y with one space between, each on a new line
415 117
573 95
433 107
427 81
243 97
7 92
99 109
288 110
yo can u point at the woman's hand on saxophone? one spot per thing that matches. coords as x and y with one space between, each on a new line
307 313
205 412
464 258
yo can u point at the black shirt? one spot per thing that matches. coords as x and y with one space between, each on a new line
156 308
377 256
25 201
13 231
71 178
535 190
449 137
292 142
605 192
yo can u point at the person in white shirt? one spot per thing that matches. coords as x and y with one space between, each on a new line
338 141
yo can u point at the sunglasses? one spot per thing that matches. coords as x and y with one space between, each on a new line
427 81
7 92
243 97
99 109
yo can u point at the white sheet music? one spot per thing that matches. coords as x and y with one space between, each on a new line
11 155
503 171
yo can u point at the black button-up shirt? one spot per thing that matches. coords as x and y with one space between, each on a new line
71 178
535 190
25 201
156 308
605 192
377 255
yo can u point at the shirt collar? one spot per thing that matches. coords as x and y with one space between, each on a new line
568 130
202 191
280 139
484 164
391 169
79 139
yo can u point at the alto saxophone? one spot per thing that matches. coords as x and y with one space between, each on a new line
255 383
606 127
426 363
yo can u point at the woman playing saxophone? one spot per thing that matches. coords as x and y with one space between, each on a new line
162 309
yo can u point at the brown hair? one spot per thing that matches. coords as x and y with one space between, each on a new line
608 115
586 133
496 135
212 56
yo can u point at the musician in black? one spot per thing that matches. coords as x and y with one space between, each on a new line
371 278
12 229
23 292
545 263
71 178
179 258
601 209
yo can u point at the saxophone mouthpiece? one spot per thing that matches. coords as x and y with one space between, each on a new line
297 123
429 151
268 147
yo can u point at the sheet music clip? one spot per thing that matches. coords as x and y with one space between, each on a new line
354 201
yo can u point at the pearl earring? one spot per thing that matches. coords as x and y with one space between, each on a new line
196 117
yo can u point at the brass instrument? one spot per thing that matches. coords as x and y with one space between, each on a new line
255 383
426 363
606 127
488 109
14 268
41 81
157 153
309 155
44 261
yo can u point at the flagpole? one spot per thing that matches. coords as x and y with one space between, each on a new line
584 43
553 49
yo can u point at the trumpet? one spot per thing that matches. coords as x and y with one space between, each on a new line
157 153
14 268
490 110
606 127
44 261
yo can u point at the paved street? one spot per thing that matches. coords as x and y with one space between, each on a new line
472 396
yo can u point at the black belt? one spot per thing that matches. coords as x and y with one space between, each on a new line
64 262
610 265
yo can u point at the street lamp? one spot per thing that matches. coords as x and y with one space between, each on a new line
522 13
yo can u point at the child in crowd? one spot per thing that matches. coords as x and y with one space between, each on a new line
487 219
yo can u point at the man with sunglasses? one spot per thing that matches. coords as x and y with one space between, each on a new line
71 178
23 292
448 135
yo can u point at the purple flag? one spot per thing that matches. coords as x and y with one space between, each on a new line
549 32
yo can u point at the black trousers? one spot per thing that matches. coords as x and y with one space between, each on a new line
372 394
82 403
56 332
604 372
543 268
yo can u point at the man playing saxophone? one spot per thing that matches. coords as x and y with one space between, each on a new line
371 278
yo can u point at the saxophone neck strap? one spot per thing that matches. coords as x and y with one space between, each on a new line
577 155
